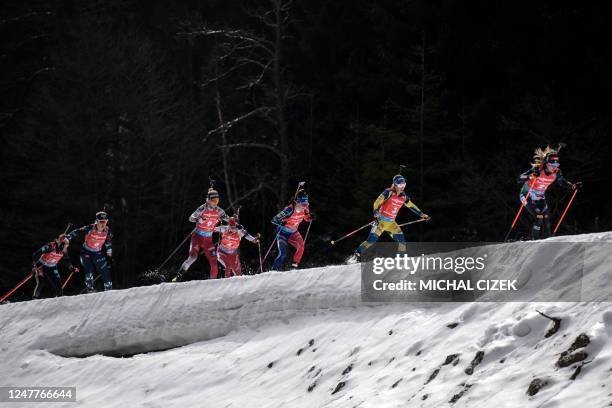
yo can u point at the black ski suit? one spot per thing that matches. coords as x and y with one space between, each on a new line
533 195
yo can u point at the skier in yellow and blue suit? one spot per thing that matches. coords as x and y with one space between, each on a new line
386 208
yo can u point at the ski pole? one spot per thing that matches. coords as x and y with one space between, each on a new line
28 277
271 245
175 250
277 234
414 222
565 212
307 231
260 261
333 242
71 273
67 279
15 288
518 214
67 228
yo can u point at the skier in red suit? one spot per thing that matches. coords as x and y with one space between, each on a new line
206 217
228 252
45 262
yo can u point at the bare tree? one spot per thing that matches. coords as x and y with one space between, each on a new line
255 58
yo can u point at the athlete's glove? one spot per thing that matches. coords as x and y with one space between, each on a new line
425 217
37 271
74 269
577 185
524 200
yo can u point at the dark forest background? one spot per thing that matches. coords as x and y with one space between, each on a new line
135 104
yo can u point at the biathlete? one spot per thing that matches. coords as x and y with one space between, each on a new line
228 251
288 222
45 265
386 208
207 217
97 250
544 171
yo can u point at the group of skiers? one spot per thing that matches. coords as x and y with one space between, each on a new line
96 253
209 218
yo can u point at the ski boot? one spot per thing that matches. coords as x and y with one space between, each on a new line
179 276
353 259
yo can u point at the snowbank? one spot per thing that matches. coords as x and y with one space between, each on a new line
304 338
168 315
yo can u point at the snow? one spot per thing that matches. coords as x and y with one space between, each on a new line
265 340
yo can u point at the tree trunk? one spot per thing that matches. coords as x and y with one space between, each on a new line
422 128
280 103
224 151
421 119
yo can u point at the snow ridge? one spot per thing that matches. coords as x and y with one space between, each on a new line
305 339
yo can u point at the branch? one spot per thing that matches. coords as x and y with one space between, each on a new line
257 80
228 125
254 62
222 75
256 145
25 16
556 324
40 71
257 42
